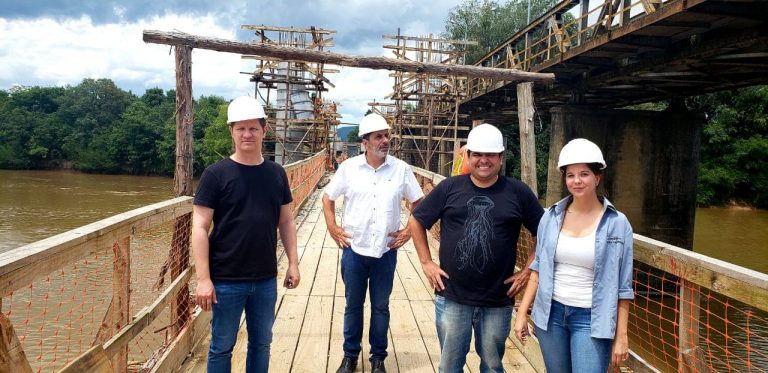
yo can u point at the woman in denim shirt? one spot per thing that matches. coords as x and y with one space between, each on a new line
581 277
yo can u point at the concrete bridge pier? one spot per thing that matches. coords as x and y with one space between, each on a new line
652 162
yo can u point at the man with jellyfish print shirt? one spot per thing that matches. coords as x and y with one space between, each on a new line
480 218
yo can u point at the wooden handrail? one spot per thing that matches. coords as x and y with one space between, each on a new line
731 280
23 265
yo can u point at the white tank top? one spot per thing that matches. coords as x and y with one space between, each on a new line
574 270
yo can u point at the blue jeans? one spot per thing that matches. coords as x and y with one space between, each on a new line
359 272
567 345
258 299
455 323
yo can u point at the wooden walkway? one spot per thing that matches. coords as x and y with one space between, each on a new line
308 329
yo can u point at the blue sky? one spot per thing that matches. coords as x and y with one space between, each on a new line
62 42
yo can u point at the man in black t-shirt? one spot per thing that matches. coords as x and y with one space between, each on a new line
247 198
480 219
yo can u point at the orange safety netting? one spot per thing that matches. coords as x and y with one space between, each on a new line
61 315
676 325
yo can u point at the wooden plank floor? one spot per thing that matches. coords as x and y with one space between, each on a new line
307 334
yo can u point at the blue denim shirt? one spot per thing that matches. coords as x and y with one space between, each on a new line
613 267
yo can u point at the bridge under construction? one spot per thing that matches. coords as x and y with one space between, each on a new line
98 299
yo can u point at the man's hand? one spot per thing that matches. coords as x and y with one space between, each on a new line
519 280
399 238
434 274
340 236
205 294
292 277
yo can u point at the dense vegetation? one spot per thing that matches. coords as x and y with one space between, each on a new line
734 147
97 127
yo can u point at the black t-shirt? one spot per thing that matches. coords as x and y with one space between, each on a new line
246 202
479 228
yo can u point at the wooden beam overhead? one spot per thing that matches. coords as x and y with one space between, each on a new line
376 63
286 29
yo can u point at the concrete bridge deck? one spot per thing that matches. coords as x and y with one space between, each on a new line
309 319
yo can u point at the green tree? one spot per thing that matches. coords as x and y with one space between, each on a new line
38 99
217 141
734 147
489 22
29 131
207 112
353 135
14 135
90 109
134 142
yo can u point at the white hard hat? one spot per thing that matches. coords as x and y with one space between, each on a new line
244 108
485 138
580 151
371 123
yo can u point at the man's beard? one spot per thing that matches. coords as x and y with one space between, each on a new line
380 152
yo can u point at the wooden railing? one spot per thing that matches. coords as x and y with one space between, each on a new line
566 30
52 288
68 301
691 313
303 177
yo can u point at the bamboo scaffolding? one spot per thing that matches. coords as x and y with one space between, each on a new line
295 133
425 108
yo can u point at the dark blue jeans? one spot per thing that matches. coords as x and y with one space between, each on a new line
567 345
359 273
258 299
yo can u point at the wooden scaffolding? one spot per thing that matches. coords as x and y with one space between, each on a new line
300 121
424 112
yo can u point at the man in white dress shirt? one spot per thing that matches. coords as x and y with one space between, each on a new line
373 185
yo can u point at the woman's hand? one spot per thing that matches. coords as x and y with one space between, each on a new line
620 350
521 326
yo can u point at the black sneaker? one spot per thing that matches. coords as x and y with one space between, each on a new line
377 366
348 365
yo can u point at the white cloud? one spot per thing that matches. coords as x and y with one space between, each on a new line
46 51
61 50
356 88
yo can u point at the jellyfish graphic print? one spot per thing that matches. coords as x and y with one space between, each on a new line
474 249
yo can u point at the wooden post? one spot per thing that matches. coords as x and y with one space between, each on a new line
12 356
442 157
121 298
625 15
527 138
583 24
689 355
179 254
428 151
182 177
